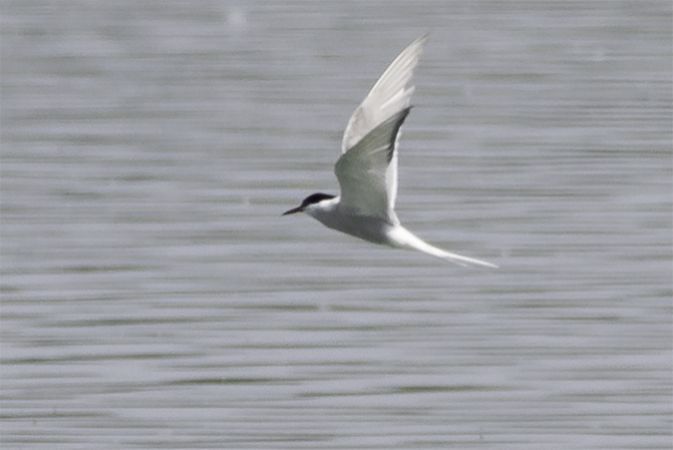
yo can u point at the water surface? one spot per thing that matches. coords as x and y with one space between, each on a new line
154 298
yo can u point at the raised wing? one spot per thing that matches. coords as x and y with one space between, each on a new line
391 94
372 133
368 186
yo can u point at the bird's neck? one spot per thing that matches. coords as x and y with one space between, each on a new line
324 210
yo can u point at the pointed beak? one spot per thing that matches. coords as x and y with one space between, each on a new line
293 211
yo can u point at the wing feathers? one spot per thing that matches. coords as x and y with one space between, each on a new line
367 169
367 187
390 94
384 136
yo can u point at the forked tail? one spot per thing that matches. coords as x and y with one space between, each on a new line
404 238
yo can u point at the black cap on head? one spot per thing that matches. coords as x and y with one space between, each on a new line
315 198
311 199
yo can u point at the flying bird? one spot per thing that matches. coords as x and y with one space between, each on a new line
367 168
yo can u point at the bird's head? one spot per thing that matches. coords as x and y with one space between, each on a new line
309 201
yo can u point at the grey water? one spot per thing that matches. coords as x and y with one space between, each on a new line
153 297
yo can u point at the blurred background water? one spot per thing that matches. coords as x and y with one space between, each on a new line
153 297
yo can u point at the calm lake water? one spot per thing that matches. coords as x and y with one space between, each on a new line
153 297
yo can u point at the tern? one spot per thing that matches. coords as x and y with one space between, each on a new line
367 168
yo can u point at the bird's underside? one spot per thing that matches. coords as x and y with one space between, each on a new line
378 231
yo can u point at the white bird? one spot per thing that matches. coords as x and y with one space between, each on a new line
367 168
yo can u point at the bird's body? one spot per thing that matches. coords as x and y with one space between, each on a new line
367 169
331 214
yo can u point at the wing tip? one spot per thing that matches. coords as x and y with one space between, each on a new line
423 38
419 42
